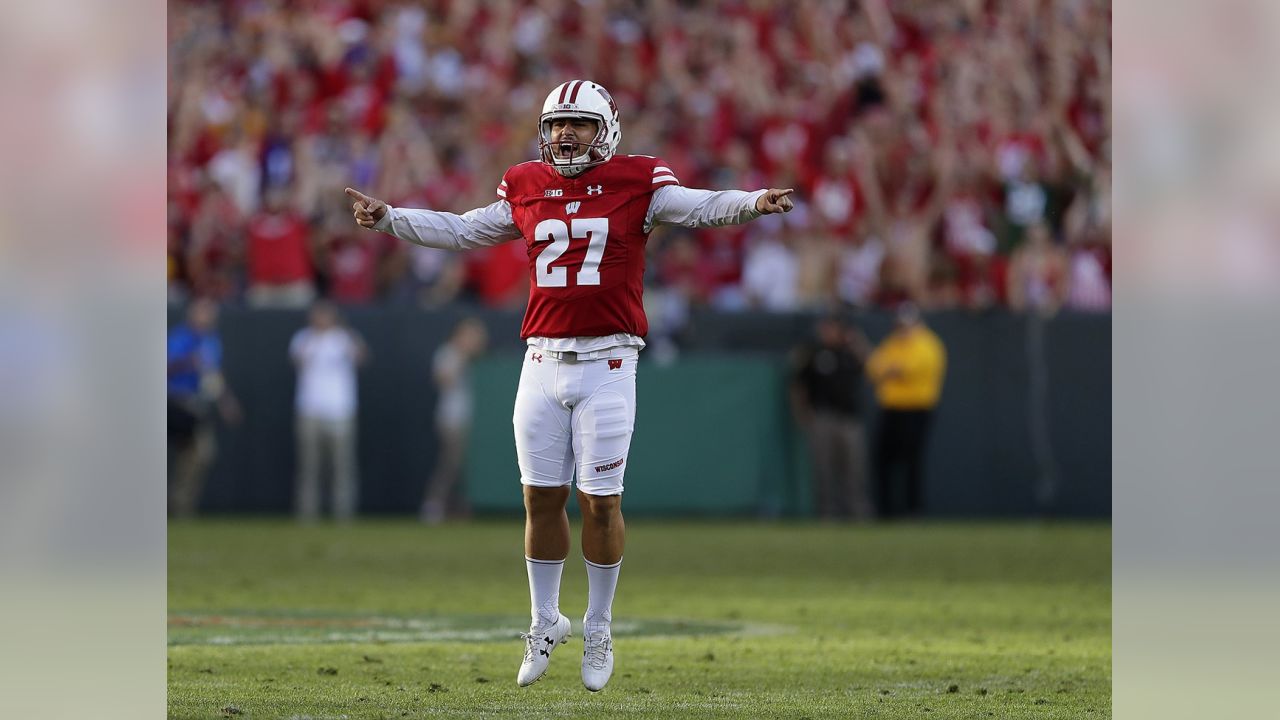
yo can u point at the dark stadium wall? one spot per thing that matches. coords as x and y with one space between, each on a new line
1023 427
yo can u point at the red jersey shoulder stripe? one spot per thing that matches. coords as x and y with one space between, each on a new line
663 174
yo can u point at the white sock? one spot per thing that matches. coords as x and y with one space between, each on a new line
602 580
544 589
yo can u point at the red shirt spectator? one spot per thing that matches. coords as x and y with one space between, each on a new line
681 267
279 250
354 265
499 275
834 194
213 249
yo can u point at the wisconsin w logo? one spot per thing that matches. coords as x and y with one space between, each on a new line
572 207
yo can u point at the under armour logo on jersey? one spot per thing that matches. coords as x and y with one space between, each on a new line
595 189
536 357
572 207
615 364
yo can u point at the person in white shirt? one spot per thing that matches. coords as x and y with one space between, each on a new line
771 272
326 354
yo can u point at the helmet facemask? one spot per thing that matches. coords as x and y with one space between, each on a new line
586 152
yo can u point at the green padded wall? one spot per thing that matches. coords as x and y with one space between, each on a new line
711 437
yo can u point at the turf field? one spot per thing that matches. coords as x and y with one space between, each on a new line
389 619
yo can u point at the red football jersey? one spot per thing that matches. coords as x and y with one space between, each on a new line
278 251
586 241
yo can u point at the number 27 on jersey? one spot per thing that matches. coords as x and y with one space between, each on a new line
594 230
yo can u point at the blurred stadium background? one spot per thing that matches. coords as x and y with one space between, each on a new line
954 154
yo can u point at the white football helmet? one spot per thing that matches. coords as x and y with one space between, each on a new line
580 99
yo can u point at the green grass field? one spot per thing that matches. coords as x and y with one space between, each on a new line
389 619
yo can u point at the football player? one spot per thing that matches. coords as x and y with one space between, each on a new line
584 214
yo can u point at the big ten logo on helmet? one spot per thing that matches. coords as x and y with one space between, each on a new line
553 193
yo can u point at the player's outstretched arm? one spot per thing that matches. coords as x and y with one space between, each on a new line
484 226
694 208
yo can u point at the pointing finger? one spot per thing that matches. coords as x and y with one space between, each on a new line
359 196
783 193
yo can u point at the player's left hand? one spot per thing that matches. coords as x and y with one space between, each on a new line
775 201
367 210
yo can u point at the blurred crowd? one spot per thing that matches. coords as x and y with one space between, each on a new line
954 153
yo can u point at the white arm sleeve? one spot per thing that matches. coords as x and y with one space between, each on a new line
489 225
690 207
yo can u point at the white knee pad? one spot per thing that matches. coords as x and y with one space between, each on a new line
602 435
543 448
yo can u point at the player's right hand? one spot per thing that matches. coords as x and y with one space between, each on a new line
368 211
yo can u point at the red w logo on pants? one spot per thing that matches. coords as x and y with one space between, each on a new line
615 364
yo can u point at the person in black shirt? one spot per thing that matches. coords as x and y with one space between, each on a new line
826 388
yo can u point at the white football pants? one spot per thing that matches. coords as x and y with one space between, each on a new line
576 415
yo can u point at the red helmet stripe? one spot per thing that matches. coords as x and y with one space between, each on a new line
563 89
573 97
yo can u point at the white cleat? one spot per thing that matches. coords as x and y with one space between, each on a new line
597 661
540 641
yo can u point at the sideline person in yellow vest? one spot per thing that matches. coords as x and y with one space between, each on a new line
907 369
